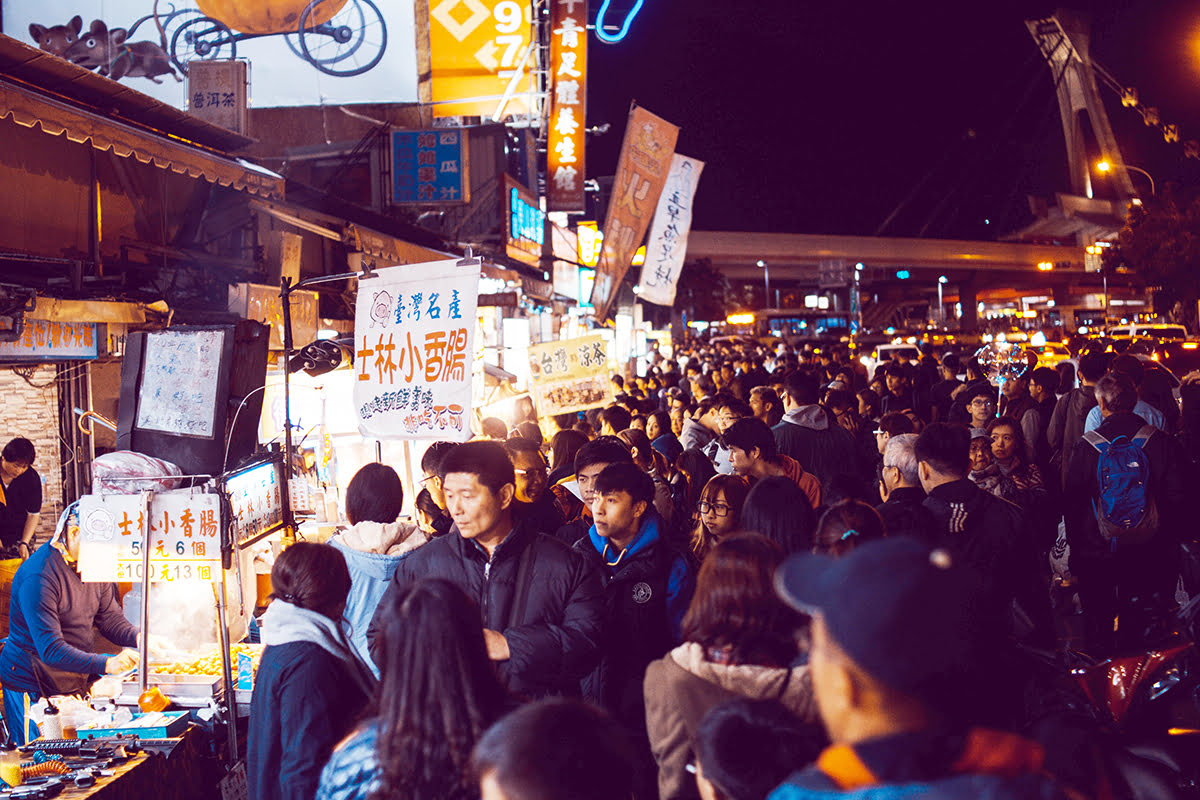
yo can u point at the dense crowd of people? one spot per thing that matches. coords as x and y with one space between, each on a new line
758 572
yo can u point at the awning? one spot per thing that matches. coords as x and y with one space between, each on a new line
30 109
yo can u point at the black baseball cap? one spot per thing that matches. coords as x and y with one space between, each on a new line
910 616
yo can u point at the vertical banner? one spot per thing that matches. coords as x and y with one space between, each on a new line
568 105
641 172
570 375
414 330
669 233
477 48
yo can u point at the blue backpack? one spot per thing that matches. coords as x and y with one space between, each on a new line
1124 509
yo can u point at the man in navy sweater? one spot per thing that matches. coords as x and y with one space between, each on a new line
50 631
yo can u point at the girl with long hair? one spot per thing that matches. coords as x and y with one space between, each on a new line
719 508
439 694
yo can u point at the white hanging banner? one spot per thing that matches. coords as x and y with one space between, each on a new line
669 233
414 332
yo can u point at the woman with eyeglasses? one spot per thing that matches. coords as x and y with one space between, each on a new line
720 507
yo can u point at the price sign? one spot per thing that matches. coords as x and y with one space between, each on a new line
476 48
185 537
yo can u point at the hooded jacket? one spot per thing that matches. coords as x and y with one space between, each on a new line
372 550
556 640
823 448
309 691
1066 426
682 686
693 434
982 763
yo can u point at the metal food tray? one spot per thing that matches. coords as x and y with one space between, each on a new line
185 691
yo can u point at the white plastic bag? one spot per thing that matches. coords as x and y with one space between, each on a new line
127 472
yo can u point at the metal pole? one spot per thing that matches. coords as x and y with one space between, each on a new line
144 645
941 315
226 669
1104 276
767 287
285 293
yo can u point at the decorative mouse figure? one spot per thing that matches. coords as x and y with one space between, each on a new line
107 50
57 38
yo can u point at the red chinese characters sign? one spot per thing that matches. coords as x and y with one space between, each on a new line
641 172
414 348
568 105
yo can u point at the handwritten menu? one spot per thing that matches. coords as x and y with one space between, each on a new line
179 382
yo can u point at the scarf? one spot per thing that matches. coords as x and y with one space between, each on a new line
284 623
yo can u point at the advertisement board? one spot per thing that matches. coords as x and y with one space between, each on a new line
570 375
568 106
430 166
478 49
300 53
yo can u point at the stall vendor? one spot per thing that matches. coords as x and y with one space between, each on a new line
21 496
49 650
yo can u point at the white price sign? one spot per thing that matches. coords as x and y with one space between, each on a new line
185 537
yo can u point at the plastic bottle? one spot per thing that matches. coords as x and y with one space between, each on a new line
51 727
10 765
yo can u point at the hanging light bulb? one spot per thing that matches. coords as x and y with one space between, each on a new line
1150 116
1171 133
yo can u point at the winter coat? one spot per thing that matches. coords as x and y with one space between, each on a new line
52 621
556 640
646 596
682 686
372 550
308 693
823 448
543 515
1066 427
981 764
695 435
904 515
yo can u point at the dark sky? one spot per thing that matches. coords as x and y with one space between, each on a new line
822 117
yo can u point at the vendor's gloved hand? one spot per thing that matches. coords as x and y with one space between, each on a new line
121 662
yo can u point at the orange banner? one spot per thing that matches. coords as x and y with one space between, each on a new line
568 106
641 172
476 47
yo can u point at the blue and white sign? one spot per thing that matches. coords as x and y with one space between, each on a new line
430 166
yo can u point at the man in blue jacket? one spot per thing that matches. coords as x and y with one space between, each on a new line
51 622
899 637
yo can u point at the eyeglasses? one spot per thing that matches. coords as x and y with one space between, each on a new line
426 478
983 403
719 509
531 471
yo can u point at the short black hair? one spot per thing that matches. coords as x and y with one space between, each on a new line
895 423
375 494
494 427
739 408
602 450
426 504
748 747
618 380
520 445
1045 377
431 461
751 432
894 369
1129 365
985 390
617 417
19 451
951 362
557 748
946 448
802 387
626 477
487 461
1093 366
528 430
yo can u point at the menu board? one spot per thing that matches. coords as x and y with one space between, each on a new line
185 537
179 382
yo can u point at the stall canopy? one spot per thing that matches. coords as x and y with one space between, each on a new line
46 92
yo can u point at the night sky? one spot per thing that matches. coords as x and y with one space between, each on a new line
824 117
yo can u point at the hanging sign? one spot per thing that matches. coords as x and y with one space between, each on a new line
414 329
525 224
477 48
185 537
641 172
570 375
669 233
42 340
568 105
430 166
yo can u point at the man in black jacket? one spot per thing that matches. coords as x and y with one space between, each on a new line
985 532
647 590
541 603
1122 580
903 510
590 461
809 434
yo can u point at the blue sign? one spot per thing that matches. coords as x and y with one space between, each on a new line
42 340
429 166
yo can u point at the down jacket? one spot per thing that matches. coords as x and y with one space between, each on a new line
682 686
556 640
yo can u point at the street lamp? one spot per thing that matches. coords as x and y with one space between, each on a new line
942 281
766 282
1107 166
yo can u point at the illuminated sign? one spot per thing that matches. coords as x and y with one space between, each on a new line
478 48
525 223
623 31
590 240
42 340
568 106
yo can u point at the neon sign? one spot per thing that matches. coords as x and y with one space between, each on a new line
527 221
611 38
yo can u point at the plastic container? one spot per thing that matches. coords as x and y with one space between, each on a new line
10 765
153 699
51 727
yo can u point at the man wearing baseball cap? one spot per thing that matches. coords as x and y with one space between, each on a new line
900 634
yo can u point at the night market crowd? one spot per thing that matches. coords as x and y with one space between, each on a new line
759 572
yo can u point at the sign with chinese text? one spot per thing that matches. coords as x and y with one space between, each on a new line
263 304
179 382
43 340
669 233
217 92
476 48
589 243
430 166
568 105
570 375
525 224
414 329
641 172
185 537
255 502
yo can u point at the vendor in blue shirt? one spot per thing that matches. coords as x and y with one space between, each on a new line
51 621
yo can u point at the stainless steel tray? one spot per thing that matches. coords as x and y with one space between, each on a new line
185 691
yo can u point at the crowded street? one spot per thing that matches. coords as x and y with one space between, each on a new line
599 400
